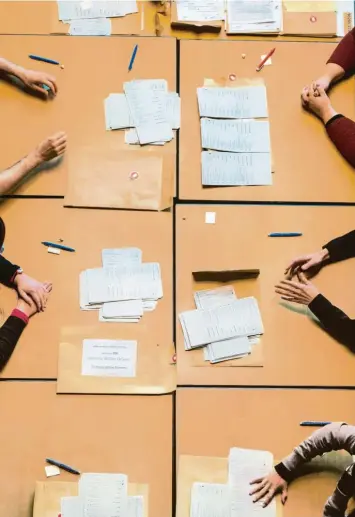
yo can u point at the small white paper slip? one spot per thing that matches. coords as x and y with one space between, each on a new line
124 309
71 507
118 256
51 470
228 349
135 506
109 358
55 251
93 27
236 136
240 102
210 217
117 114
268 62
211 298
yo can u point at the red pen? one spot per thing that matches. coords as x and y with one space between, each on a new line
268 55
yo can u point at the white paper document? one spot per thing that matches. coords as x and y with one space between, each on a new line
117 114
119 256
173 109
122 310
228 349
84 294
71 507
233 103
148 109
210 500
78 10
92 27
109 358
127 282
131 138
237 319
235 169
254 16
237 136
135 506
200 10
244 465
104 494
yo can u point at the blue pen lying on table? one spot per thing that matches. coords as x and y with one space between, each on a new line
62 466
285 234
57 246
313 423
45 60
130 66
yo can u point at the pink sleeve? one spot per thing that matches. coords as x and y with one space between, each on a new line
21 315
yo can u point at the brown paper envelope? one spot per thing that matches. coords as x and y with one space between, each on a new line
194 469
115 179
212 26
48 495
155 374
310 24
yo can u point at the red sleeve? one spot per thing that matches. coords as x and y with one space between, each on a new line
341 131
344 54
19 314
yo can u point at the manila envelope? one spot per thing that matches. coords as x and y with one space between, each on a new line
201 469
155 370
118 179
48 495
310 24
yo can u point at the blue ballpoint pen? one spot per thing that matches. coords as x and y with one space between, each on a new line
313 423
62 466
43 59
285 234
130 66
57 246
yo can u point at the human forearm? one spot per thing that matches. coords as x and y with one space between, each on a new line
10 333
333 437
340 248
10 177
344 55
11 68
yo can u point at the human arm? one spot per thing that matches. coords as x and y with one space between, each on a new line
50 148
337 503
341 248
31 78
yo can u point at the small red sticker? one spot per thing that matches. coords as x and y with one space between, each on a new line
313 19
133 175
232 77
174 358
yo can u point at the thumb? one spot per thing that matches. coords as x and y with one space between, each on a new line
321 91
302 277
307 265
284 495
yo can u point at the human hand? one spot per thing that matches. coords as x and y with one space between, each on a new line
29 308
322 82
302 292
311 263
32 291
36 80
50 148
267 487
318 102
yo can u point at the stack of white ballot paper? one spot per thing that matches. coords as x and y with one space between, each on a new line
88 9
124 288
200 11
228 326
233 499
237 144
253 16
102 495
147 109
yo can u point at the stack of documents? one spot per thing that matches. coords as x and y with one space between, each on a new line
228 326
147 109
238 150
101 495
90 17
233 499
200 11
254 16
124 288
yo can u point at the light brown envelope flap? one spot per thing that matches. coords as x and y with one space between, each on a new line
211 25
312 6
310 24
155 372
118 179
194 469
48 495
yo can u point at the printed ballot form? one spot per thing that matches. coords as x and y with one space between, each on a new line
250 136
109 358
200 11
79 10
104 494
240 102
92 27
253 16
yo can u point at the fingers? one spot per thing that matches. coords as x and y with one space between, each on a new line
37 298
284 496
257 480
305 95
25 297
261 493
39 89
291 284
302 277
268 498
50 85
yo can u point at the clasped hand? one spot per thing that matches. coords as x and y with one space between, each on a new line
32 292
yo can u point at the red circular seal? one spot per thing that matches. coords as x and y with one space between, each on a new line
313 19
232 77
133 175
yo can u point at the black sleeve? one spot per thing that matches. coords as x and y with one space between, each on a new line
341 248
7 271
10 333
335 321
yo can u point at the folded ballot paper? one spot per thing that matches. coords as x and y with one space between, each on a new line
236 144
233 498
228 326
146 109
101 495
123 289
87 9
